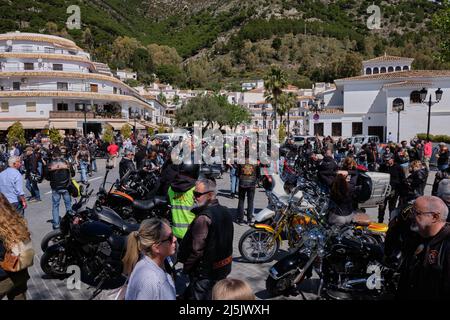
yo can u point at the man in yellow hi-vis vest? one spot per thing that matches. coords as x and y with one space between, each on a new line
181 197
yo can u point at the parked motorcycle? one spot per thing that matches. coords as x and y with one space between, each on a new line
129 198
348 260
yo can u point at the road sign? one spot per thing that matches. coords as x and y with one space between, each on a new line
316 117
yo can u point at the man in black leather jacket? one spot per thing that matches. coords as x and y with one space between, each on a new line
59 172
327 170
126 164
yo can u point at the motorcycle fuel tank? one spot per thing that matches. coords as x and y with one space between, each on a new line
94 232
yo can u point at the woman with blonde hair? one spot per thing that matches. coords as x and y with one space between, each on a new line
232 289
144 260
13 231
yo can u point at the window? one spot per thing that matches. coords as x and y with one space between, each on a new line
357 128
318 129
31 106
383 70
62 86
368 71
94 87
57 67
5 107
415 97
376 70
49 50
398 68
16 85
405 68
391 69
62 107
28 66
115 90
336 129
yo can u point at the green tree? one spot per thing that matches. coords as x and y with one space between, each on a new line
162 97
16 134
441 23
350 66
126 131
164 55
123 49
150 131
282 133
161 129
55 136
141 62
276 43
108 134
274 82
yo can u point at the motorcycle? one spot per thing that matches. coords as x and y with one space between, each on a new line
89 244
130 199
348 260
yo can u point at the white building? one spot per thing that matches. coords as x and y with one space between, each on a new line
124 75
364 104
256 84
47 81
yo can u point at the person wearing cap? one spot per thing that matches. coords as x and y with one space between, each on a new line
126 164
442 157
443 192
397 182
31 162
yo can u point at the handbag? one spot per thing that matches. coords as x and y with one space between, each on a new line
20 257
74 188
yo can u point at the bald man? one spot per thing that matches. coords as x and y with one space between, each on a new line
425 272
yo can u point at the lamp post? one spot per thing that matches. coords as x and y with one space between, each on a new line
316 106
85 108
398 106
423 97
134 115
264 115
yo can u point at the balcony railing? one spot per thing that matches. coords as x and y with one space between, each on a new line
80 115
62 90
43 50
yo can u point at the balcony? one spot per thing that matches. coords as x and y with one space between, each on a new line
44 50
80 115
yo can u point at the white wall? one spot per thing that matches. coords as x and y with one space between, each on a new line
17 108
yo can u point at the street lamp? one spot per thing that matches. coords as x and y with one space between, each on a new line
423 97
264 115
134 115
398 106
85 108
315 105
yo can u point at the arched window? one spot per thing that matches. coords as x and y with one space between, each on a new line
398 105
415 97
383 70
376 70
405 68
398 68
391 69
368 71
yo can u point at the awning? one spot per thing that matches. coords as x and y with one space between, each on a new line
4 125
64 125
34 124
138 125
118 125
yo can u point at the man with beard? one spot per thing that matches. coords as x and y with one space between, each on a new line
425 271
207 248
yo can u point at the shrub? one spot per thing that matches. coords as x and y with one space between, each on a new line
55 136
126 131
16 134
281 132
108 135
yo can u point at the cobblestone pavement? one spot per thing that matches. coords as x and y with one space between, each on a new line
41 287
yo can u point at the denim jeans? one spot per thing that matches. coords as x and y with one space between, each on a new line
94 165
442 167
33 188
250 192
56 198
83 168
234 181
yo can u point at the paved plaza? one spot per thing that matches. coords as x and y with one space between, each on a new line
42 287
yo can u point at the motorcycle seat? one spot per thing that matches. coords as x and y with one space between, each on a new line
130 227
143 205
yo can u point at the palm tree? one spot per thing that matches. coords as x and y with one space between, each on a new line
282 106
291 102
274 82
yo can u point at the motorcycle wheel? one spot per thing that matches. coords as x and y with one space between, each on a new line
55 264
51 238
253 246
278 287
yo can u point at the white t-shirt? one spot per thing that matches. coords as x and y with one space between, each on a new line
149 282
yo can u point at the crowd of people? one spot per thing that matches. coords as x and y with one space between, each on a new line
200 233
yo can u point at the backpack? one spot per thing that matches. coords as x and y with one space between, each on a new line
20 257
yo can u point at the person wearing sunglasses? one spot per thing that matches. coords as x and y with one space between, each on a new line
207 248
145 261
425 271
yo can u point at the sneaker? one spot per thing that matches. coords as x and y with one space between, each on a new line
32 200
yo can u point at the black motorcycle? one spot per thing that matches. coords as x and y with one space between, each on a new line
349 262
91 244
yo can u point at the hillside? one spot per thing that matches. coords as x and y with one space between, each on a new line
221 42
